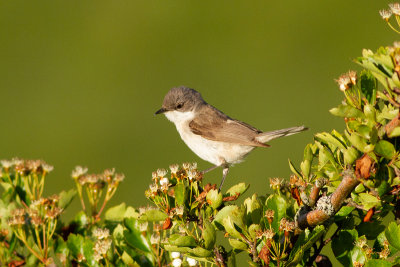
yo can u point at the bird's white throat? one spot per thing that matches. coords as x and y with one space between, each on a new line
178 117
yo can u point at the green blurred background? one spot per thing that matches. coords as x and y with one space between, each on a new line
81 80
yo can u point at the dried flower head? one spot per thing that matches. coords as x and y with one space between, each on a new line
395 8
282 224
143 226
155 238
385 14
344 82
192 173
54 213
179 210
46 167
357 264
18 212
361 242
193 166
174 168
78 172
161 172
275 183
102 246
384 254
270 215
100 233
6 164
269 234
36 220
353 76
186 166
16 220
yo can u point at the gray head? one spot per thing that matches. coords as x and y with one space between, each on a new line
181 99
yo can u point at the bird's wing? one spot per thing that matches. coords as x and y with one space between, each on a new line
214 125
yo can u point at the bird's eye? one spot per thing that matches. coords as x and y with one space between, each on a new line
179 106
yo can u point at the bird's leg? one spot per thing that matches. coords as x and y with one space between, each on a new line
210 169
224 174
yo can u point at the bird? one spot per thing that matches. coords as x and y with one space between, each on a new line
211 134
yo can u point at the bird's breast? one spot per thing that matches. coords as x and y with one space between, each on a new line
216 152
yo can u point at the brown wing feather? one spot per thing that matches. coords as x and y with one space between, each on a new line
215 125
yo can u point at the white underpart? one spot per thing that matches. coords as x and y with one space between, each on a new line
215 152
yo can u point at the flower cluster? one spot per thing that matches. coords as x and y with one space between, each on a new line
40 217
30 173
95 185
386 14
102 244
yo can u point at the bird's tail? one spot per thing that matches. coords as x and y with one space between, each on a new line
268 136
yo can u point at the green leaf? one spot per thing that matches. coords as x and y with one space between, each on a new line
253 209
209 235
200 252
368 85
368 201
346 111
395 132
116 213
153 215
357 141
214 198
134 237
393 235
66 198
350 155
223 213
344 211
239 188
377 263
180 194
343 244
279 205
330 140
294 170
304 242
232 225
305 165
385 149
237 244
88 252
182 240
127 259
81 219
253 230
75 244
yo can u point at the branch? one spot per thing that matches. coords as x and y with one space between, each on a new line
327 206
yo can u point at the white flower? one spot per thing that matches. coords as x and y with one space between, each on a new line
385 14
194 165
6 163
177 262
161 172
191 261
79 171
164 181
175 254
174 168
191 174
395 7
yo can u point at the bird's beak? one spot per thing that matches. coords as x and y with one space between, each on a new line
160 111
